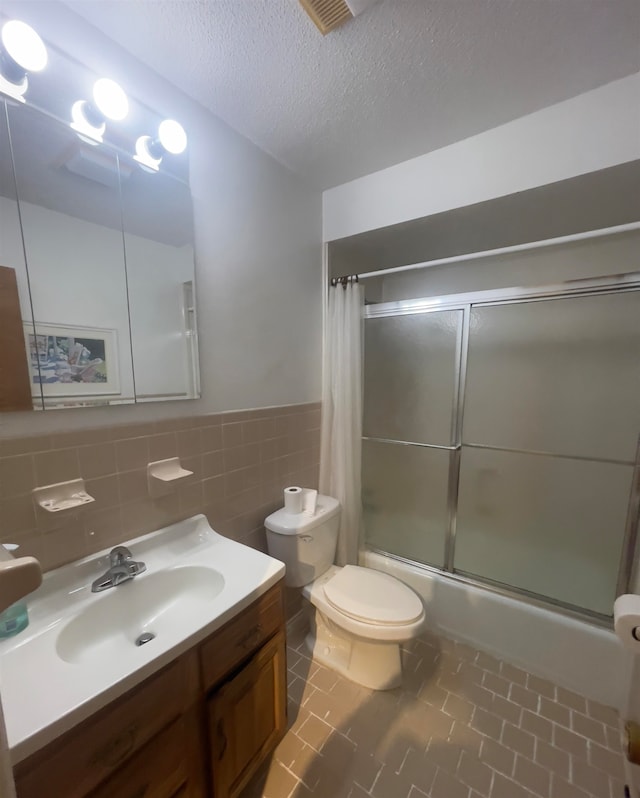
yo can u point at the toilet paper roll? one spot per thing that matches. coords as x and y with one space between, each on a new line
293 499
309 501
626 620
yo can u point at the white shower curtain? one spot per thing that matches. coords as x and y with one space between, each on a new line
341 428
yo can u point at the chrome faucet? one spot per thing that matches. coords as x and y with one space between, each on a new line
122 568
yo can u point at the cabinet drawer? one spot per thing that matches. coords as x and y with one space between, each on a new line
242 636
157 771
76 763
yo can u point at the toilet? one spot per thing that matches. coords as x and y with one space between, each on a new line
360 616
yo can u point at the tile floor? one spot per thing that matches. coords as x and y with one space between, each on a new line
463 725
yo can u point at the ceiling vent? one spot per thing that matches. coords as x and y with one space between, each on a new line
327 14
330 14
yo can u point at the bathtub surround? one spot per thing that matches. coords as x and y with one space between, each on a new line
241 462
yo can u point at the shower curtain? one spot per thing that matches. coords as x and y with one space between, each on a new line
341 427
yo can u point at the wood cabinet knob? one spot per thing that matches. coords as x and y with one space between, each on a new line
117 750
251 638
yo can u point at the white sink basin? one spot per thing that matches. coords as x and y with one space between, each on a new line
150 603
79 651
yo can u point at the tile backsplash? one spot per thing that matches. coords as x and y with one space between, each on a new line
241 463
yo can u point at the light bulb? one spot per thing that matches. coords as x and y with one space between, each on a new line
144 157
24 45
92 134
110 99
172 136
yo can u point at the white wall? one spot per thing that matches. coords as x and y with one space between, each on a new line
593 131
258 252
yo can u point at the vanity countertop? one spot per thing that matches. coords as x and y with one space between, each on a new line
79 653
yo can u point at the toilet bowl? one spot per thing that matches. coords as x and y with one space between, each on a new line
359 617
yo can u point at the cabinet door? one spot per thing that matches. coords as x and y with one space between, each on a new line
247 718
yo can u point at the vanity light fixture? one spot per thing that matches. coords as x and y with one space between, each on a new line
22 51
110 99
171 138
89 119
88 124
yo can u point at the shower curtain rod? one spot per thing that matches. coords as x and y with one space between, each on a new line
345 280
487 253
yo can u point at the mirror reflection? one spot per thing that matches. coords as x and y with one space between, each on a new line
15 379
68 193
102 252
158 245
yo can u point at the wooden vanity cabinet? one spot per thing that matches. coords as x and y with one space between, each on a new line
200 727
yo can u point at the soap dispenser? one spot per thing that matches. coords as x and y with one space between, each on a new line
16 617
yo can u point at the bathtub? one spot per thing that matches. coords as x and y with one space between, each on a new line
573 653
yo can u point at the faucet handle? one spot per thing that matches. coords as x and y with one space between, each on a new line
119 555
120 574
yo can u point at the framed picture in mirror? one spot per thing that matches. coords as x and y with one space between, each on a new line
68 360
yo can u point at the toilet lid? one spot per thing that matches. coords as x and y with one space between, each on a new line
372 596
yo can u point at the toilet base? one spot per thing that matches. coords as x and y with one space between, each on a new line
375 664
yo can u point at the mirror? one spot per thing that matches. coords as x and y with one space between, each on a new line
103 256
69 203
158 245
15 382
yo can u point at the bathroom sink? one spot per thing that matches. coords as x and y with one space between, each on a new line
82 649
137 613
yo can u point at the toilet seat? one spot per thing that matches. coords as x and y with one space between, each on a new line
372 597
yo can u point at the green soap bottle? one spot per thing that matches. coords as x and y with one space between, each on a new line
16 617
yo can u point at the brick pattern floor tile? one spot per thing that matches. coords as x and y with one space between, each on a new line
463 725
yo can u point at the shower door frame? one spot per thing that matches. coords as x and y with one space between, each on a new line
601 286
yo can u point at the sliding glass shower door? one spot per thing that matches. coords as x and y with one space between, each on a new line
410 429
551 421
500 440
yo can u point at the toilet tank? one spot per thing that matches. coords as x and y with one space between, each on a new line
306 544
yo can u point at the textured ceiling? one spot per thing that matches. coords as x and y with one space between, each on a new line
404 78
